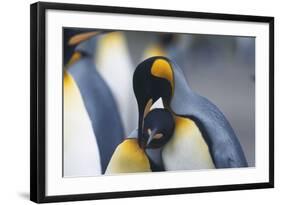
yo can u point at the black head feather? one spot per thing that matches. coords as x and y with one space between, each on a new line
149 88
158 128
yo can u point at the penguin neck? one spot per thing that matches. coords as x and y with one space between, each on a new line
155 158
87 47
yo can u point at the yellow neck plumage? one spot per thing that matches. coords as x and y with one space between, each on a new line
128 157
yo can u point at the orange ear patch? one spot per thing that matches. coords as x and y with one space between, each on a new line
74 58
162 69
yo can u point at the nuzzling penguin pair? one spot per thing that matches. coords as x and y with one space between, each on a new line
129 157
202 136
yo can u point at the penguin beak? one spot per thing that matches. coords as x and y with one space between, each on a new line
150 138
78 38
142 114
151 135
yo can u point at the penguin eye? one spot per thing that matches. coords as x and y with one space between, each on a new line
158 136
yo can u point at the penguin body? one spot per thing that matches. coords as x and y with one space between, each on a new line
128 158
217 132
100 111
202 134
81 153
101 108
187 148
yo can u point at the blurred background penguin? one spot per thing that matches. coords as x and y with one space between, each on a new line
89 107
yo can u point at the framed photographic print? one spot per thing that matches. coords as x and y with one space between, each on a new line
129 102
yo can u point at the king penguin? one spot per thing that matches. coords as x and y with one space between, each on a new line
129 157
92 124
203 137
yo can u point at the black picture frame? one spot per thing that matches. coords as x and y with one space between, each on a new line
38 101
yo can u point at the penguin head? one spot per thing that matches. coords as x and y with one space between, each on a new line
153 79
80 44
158 128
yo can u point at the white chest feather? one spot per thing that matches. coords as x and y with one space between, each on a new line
81 152
187 150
